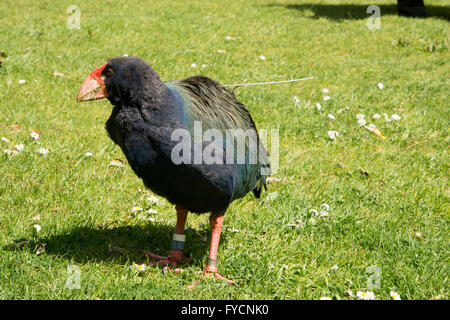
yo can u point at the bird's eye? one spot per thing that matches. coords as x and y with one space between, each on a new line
108 72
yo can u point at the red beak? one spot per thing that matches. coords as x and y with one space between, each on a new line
93 87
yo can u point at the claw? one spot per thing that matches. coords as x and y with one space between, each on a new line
169 263
216 274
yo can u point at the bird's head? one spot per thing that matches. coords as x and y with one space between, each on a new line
120 79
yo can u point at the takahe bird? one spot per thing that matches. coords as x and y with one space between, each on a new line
146 114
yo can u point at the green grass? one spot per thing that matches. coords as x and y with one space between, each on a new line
380 192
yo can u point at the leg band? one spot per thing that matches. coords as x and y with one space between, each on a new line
178 242
211 262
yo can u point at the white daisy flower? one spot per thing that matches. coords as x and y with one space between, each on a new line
10 152
193 65
228 38
380 86
361 122
136 209
152 211
140 267
324 214
326 98
151 219
6 140
376 116
296 100
204 66
394 295
35 135
330 116
22 81
359 116
325 90
334 268
333 134
19 147
261 57
325 207
368 295
314 211
325 298
88 154
372 126
153 199
396 117
37 227
43 151
318 106
386 117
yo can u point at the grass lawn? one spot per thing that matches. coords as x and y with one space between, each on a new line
388 199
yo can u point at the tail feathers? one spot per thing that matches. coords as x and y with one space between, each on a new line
258 188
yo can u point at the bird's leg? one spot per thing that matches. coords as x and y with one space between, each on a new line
176 252
216 222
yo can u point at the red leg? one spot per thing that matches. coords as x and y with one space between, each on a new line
216 222
176 255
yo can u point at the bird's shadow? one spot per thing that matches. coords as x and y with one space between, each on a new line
340 12
117 245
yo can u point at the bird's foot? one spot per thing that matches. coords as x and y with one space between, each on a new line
170 262
208 273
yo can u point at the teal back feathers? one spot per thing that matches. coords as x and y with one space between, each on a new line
216 107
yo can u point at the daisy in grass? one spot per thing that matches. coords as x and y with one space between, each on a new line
325 298
359 116
324 214
396 117
153 199
10 152
296 100
35 135
37 227
136 209
325 90
334 268
152 211
394 295
318 106
19 147
261 57
152 219
140 267
361 122
330 116
233 230
368 295
333 134
325 207
22 81
6 140
43 151
88 154
326 98
193 65
380 86
376 116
